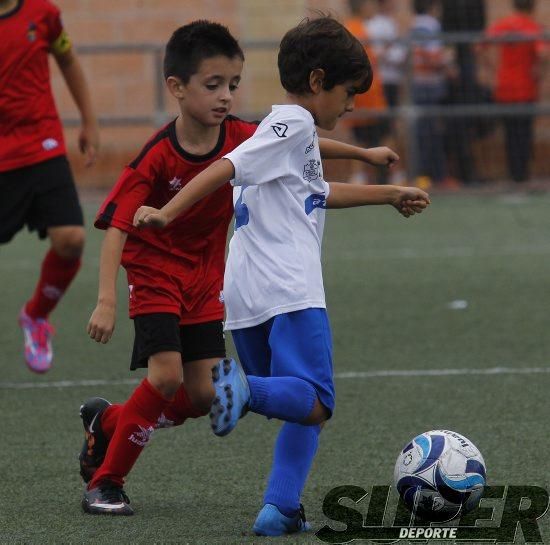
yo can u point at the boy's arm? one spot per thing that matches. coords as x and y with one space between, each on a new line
332 149
102 322
407 200
73 74
210 179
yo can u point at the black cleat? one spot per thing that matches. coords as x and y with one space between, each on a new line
107 499
95 443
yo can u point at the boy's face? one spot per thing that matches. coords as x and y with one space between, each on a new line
333 104
208 95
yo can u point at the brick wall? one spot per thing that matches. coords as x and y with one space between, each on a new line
123 84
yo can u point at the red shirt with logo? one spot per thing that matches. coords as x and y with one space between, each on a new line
192 246
30 129
516 79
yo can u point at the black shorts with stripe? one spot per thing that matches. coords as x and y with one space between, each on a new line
162 332
39 196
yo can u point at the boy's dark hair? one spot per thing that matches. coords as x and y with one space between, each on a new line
422 7
524 5
322 43
189 45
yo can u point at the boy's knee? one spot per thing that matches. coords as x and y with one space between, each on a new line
318 416
167 385
165 373
68 242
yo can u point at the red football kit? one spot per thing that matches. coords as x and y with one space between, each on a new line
516 80
180 268
30 129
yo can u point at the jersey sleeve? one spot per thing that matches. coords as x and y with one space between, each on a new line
265 156
130 192
57 36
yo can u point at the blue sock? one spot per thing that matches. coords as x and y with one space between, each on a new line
288 398
295 449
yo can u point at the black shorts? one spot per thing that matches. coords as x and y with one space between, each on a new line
162 332
39 196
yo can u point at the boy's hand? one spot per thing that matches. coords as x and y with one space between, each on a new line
411 201
147 216
102 323
382 156
88 143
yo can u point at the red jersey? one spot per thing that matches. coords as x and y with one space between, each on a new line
197 237
516 81
30 129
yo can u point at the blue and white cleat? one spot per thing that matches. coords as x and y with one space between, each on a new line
271 522
232 396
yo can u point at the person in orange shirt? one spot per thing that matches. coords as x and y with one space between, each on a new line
519 66
368 131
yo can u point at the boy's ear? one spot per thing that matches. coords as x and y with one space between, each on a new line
175 86
316 79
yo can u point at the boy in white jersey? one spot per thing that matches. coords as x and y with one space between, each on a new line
273 285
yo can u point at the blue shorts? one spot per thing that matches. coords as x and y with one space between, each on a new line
296 344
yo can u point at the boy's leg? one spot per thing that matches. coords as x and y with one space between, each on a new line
55 211
100 419
202 345
136 423
301 345
157 345
295 449
298 342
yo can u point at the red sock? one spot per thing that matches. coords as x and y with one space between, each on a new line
175 413
109 419
55 276
136 422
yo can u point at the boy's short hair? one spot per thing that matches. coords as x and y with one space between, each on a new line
191 44
322 43
524 5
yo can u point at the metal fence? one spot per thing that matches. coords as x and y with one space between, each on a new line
405 116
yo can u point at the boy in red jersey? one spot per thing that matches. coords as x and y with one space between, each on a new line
175 276
37 185
519 69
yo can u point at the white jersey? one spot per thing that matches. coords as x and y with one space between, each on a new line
274 262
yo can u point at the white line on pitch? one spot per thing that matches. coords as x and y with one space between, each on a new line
388 373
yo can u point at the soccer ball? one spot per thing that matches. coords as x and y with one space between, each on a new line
439 475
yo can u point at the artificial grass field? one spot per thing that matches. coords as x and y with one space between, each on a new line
389 284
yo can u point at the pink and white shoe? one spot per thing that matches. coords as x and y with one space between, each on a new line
38 346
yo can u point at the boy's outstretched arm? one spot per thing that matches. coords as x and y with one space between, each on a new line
382 156
102 322
407 200
88 140
210 179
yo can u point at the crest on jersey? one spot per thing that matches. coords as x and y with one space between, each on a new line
311 170
31 32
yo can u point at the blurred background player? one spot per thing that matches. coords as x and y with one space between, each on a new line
391 55
175 276
461 132
370 130
431 66
273 284
519 69
35 177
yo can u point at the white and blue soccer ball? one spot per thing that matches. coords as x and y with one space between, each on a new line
439 475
